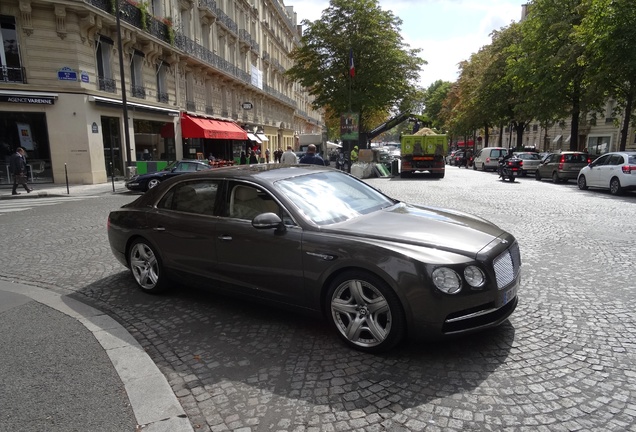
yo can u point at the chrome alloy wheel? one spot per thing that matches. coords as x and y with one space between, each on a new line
361 313
144 266
152 183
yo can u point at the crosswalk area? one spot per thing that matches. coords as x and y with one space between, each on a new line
23 204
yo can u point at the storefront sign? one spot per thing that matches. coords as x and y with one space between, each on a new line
247 105
66 74
24 133
27 100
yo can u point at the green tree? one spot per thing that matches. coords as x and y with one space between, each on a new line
553 65
608 33
386 70
433 100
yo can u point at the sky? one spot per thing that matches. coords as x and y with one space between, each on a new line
447 31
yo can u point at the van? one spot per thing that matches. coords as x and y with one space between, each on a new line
488 158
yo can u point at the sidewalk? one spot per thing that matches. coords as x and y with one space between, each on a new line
44 190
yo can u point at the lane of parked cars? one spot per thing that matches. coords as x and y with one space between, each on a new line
614 171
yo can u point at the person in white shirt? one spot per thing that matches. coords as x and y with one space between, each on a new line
289 157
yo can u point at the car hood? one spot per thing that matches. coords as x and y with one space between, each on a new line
431 227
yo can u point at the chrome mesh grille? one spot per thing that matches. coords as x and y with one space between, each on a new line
507 266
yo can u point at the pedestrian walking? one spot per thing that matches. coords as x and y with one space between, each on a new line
289 157
243 159
252 158
267 155
18 167
311 157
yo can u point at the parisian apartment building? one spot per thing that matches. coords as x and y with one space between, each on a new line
88 95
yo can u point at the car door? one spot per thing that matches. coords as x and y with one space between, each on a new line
594 173
545 169
183 227
609 170
264 262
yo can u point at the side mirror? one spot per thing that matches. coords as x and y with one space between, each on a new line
267 221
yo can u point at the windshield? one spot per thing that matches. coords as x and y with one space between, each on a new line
527 156
330 197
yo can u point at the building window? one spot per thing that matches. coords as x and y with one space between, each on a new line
104 70
136 75
162 88
10 66
597 145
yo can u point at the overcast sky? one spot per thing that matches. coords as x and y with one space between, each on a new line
447 31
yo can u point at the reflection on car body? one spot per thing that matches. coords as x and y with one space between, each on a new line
143 182
323 241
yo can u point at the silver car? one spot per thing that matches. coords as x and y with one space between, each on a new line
530 163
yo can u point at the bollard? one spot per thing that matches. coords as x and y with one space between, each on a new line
68 192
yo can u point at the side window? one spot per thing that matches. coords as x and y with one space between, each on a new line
247 202
198 197
601 161
616 160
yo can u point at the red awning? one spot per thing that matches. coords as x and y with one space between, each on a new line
197 127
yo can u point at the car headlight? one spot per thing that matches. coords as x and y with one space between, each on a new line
447 280
474 276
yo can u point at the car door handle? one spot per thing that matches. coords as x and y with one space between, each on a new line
159 228
225 237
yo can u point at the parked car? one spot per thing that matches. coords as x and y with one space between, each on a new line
615 171
322 241
530 162
147 181
561 167
457 158
488 158
450 157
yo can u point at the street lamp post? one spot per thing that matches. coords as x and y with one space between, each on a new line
122 77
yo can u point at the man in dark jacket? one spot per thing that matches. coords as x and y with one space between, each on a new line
310 157
18 168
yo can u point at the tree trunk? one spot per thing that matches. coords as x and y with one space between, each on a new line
629 106
486 134
501 133
519 127
576 112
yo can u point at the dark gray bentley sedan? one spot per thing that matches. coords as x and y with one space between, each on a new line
380 270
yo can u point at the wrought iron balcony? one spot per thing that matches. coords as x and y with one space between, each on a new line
107 84
191 106
163 97
138 91
13 74
209 110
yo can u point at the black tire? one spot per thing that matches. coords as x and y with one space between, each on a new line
555 178
146 267
581 182
483 167
524 173
537 176
615 186
511 178
365 312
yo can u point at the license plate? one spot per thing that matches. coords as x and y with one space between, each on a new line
509 295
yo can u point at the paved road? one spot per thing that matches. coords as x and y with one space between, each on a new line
565 360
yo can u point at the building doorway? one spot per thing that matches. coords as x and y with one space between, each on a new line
112 146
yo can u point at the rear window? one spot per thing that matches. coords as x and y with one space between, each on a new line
631 160
496 153
575 158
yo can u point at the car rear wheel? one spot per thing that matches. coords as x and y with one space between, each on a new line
537 175
615 187
582 182
555 178
145 265
152 183
365 312
483 167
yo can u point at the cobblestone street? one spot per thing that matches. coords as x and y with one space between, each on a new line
564 361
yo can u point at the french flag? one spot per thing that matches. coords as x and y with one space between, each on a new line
352 68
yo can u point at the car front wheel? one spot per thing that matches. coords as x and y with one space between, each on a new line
615 187
152 183
365 312
555 178
582 182
145 265
537 175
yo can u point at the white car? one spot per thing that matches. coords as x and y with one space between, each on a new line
615 171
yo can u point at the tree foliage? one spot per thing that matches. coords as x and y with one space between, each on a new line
386 70
608 33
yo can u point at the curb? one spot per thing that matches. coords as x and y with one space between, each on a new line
154 404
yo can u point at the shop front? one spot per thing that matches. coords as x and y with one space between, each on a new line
217 140
23 123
